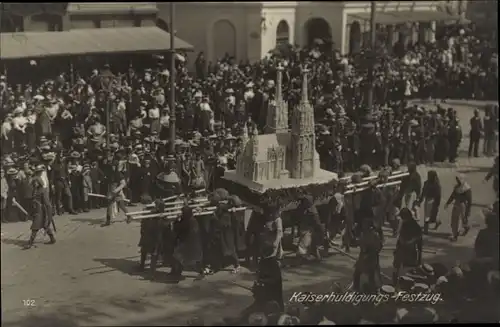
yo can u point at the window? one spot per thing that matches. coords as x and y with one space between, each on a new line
282 33
97 23
52 22
11 23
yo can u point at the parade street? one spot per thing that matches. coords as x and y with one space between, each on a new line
88 277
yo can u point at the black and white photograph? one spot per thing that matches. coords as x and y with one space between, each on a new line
253 163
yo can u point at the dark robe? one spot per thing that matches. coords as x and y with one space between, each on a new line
151 236
368 263
41 210
225 232
409 255
43 124
269 285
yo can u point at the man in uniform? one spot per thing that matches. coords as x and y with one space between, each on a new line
41 212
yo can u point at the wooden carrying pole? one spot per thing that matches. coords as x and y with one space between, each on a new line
179 205
175 197
175 214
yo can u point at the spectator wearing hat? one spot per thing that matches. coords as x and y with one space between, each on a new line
118 119
98 184
41 213
62 196
165 123
197 172
135 125
461 197
454 138
148 173
4 189
87 187
19 124
43 125
476 129
7 140
76 181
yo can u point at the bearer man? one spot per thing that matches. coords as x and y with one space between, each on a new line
408 251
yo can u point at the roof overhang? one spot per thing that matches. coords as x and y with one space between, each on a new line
401 17
87 42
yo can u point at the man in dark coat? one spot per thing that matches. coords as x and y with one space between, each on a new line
41 212
476 128
408 251
368 263
188 252
268 287
151 237
454 139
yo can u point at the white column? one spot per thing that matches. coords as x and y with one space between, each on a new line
390 38
346 47
431 36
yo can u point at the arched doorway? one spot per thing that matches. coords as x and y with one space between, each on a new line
282 33
50 22
11 23
355 38
224 39
317 29
160 23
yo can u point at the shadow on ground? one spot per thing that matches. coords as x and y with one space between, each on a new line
211 300
21 243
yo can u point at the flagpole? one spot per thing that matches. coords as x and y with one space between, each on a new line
172 79
373 35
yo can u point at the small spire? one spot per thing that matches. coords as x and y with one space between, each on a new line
279 83
245 130
305 97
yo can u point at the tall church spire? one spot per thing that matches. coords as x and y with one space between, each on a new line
305 96
279 83
277 115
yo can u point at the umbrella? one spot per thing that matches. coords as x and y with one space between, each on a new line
180 57
319 41
168 178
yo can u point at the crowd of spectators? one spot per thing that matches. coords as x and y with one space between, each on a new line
62 122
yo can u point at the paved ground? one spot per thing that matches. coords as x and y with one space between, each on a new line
88 277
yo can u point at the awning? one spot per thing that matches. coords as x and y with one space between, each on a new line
87 42
111 8
400 17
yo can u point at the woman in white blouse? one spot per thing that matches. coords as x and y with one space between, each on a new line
30 128
19 123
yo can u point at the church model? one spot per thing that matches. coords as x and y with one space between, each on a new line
281 158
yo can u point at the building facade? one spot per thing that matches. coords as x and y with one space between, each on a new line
249 30
53 17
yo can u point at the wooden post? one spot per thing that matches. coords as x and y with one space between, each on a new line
373 37
72 73
172 79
